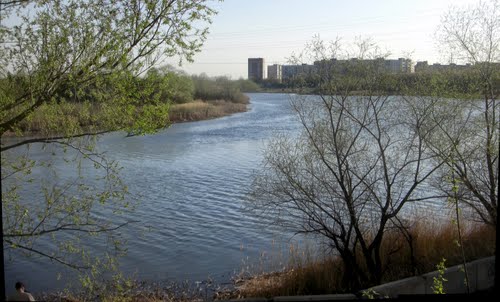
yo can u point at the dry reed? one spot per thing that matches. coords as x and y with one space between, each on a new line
200 110
431 241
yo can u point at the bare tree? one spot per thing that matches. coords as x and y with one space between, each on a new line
468 138
359 160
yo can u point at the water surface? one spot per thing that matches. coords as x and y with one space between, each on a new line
191 181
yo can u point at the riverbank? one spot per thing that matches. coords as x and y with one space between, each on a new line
197 110
305 275
134 291
431 243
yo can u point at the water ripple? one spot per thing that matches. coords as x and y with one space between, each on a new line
191 182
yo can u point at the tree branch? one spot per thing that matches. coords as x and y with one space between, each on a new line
53 258
51 139
71 227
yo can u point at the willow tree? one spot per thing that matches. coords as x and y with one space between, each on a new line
68 71
358 163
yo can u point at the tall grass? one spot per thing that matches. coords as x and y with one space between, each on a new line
431 241
199 110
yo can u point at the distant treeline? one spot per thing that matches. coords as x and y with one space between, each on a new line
179 88
447 82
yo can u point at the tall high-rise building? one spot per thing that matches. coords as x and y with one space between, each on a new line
256 69
274 72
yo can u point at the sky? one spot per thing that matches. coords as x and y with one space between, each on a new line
275 29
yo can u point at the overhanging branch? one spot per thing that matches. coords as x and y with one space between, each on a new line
53 258
50 139
71 227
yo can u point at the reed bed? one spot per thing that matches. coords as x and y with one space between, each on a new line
431 242
201 110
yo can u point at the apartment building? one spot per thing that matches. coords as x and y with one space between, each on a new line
275 72
436 67
293 71
401 65
256 69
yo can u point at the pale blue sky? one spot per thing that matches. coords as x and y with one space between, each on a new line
273 29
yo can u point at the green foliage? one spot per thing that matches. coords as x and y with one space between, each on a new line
439 280
247 85
93 49
219 88
134 104
370 294
171 85
352 76
74 69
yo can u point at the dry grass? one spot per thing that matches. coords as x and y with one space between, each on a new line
312 277
431 242
200 110
131 291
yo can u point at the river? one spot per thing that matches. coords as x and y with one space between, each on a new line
191 181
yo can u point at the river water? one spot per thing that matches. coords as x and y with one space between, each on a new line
191 180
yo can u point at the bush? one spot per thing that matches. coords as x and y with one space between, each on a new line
220 88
